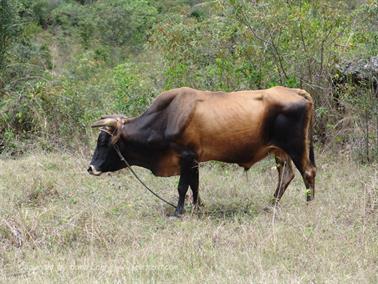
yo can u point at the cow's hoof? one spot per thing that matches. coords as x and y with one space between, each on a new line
178 213
309 195
309 198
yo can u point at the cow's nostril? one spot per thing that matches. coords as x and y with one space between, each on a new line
93 171
90 170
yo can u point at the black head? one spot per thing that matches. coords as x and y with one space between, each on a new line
105 157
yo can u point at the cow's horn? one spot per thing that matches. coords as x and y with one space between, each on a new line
116 116
111 122
123 119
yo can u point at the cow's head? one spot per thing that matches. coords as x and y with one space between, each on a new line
105 158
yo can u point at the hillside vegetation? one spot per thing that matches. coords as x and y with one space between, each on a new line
64 63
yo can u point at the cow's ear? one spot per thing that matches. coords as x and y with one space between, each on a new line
110 122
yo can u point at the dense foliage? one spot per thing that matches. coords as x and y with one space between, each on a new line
63 63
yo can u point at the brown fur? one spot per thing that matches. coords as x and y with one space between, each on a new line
226 127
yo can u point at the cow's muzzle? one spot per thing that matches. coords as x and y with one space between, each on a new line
92 170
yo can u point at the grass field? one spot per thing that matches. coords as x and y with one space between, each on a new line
59 224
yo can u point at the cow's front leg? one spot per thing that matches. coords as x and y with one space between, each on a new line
194 184
194 181
182 189
188 176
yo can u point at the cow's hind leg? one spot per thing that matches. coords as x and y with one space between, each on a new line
308 175
293 134
285 175
188 177
308 171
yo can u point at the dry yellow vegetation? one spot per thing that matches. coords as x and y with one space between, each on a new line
58 224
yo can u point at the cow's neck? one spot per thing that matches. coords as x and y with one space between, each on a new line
136 149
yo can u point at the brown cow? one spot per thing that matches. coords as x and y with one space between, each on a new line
184 127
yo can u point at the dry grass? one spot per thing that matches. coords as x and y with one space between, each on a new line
58 224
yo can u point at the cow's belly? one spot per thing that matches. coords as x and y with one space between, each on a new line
244 152
233 136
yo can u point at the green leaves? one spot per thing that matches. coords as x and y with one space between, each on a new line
9 29
134 91
70 61
124 22
279 43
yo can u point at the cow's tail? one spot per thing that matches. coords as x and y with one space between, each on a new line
312 155
309 132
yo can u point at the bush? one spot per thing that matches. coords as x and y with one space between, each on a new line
133 92
65 63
